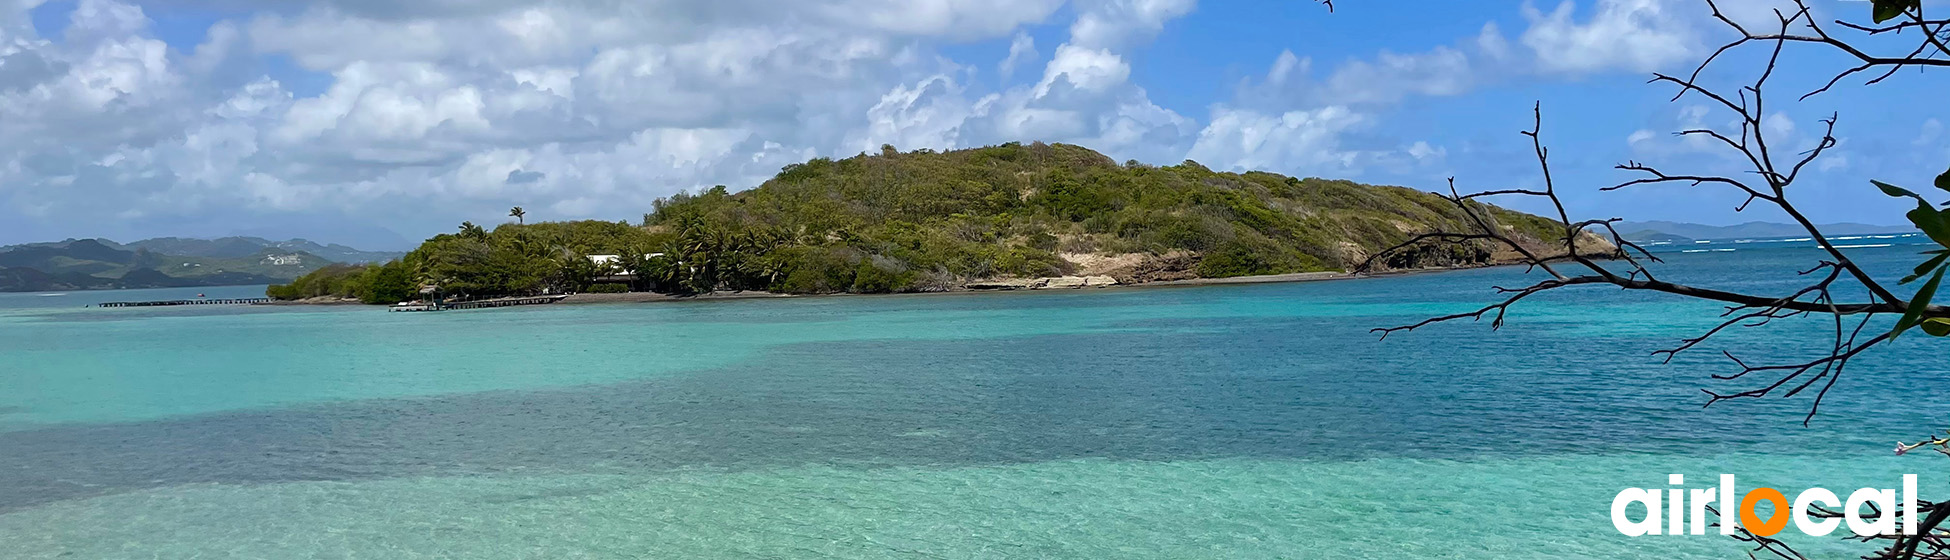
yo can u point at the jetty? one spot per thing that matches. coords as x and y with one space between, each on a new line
479 304
166 303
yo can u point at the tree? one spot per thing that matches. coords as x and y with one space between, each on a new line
471 231
574 272
636 262
1768 182
518 214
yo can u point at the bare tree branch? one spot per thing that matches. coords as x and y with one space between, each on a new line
1770 183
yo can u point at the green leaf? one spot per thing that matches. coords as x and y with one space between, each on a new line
1943 181
1925 216
1931 222
1886 10
1926 267
1936 327
1894 191
1917 304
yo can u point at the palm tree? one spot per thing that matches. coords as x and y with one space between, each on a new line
471 231
518 214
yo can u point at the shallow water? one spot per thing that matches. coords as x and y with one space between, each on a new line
1218 421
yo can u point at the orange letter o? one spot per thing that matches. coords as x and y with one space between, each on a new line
1774 523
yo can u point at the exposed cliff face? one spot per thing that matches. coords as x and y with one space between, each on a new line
1140 268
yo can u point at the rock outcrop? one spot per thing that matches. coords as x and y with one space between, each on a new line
1049 283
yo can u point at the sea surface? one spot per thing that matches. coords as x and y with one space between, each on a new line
1241 421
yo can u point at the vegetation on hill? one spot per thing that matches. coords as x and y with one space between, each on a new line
83 264
923 220
474 262
238 247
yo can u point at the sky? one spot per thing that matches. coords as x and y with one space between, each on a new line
378 122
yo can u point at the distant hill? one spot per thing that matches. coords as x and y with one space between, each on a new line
1654 231
90 264
235 247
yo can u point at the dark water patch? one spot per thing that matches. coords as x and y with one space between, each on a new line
1290 388
141 314
827 308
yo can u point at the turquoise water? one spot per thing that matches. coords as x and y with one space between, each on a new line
1259 421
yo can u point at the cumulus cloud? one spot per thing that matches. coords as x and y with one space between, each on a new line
1639 35
1085 96
1118 23
1240 139
459 106
1022 49
1293 122
420 114
1291 104
927 114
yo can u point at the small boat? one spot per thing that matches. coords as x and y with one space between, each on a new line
413 306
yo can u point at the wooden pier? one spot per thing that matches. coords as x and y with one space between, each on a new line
480 304
166 303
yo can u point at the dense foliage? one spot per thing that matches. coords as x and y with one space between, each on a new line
928 221
924 220
381 283
513 259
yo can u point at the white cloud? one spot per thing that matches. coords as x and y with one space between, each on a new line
593 108
1638 35
1083 68
1084 96
1289 103
927 114
1298 140
1022 49
1639 137
1119 23
1290 122
960 19
1832 162
1422 151
474 105
1390 77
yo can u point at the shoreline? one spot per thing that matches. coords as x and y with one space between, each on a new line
1023 286
1292 277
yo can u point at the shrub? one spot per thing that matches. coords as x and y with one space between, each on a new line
879 276
816 270
387 284
608 288
1234 259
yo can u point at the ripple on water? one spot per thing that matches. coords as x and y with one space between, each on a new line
1538 507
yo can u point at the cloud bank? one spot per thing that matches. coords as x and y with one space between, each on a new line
340 115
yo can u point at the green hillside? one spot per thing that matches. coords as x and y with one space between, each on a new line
1016 210
86 264
923 220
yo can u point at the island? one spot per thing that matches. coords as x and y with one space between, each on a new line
998 217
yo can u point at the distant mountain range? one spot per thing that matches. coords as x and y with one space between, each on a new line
93 264
1680 231
235 247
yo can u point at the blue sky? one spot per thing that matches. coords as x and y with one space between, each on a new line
376 123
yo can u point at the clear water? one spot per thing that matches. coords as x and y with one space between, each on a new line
1259 421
